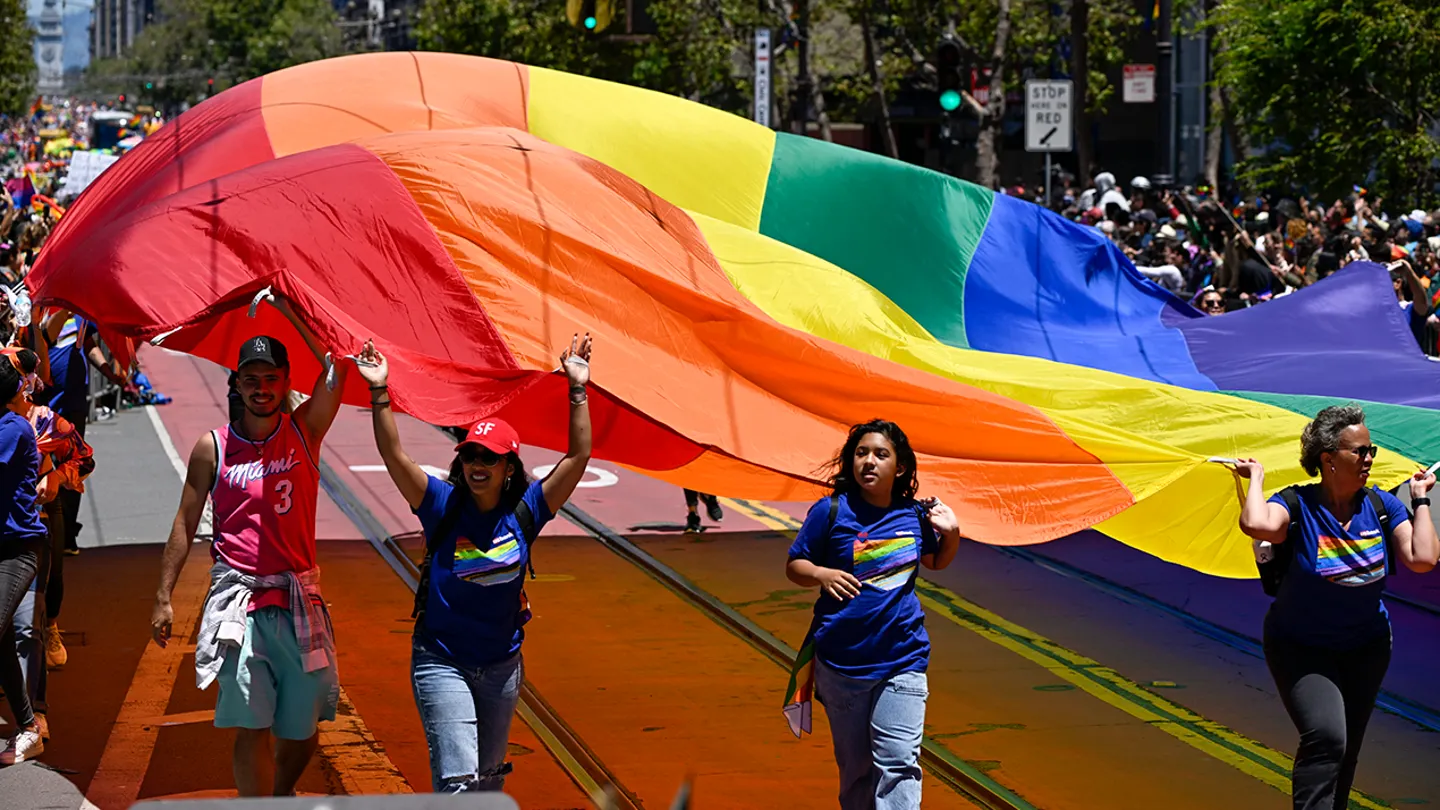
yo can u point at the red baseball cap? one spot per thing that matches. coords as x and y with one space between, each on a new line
495 435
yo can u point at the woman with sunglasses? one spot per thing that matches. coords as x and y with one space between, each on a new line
1327 635
471 608
1212 302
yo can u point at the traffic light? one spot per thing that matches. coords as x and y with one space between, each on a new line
949 67
593 16
149 85
209 87
122 98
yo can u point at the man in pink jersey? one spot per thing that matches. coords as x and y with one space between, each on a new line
264 634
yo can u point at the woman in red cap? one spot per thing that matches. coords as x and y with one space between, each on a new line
470 606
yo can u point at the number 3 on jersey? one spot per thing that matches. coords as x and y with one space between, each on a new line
283 489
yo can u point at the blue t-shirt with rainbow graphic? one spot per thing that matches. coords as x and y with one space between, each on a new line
881 632
1330 597
475 611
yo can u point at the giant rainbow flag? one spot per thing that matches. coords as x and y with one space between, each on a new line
752 294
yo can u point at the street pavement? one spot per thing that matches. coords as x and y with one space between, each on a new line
1068 696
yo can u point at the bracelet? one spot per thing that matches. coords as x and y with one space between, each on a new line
1419 502
379 387
375 404
580 401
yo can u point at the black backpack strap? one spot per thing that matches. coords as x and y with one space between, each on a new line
446 525
1383 515
1273 571
1292 505
834 513
927 529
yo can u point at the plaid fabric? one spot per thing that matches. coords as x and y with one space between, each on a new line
222 624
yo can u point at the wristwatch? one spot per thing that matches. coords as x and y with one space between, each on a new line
1419 502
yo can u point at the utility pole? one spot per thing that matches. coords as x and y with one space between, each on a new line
803 84
1165 90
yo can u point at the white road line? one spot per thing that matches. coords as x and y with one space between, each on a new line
206 528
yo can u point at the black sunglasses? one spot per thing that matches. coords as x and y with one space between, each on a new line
486 457
1365 450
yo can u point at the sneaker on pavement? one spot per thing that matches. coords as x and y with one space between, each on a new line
692 523
55 654
42 723
25 745
714 509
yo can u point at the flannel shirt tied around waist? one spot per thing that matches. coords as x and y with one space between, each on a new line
222 625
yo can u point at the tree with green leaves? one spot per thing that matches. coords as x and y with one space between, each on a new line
693 53
17 58
1340 92
197 40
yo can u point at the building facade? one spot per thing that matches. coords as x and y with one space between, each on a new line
114 24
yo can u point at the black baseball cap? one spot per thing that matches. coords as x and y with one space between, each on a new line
263 349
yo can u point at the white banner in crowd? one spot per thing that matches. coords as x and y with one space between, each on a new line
84 168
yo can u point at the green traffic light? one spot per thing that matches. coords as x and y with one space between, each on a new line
590 23
950 100
149 85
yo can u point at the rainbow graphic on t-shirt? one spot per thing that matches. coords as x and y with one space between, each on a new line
1351 561
885 563
501 563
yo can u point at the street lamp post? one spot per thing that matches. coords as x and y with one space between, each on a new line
1165 91
803 83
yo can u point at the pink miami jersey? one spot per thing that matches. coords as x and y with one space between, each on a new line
264 502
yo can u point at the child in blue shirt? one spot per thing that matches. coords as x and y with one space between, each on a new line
863 546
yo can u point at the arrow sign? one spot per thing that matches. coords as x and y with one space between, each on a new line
1049 106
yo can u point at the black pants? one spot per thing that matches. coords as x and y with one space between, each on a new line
54 578
1329 695
19 562
70 502
692 499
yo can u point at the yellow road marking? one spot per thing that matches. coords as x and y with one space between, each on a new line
1248 756
184 718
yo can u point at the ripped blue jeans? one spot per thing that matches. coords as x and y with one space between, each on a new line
466 712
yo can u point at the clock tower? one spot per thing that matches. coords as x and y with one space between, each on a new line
50 50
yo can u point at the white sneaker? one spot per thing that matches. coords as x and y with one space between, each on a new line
25 745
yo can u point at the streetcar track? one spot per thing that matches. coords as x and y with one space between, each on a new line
576 758
937 760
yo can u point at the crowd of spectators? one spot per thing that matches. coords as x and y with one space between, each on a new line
1224 255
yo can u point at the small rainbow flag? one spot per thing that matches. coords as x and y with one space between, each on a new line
801 691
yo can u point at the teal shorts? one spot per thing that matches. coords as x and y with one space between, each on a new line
264 685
